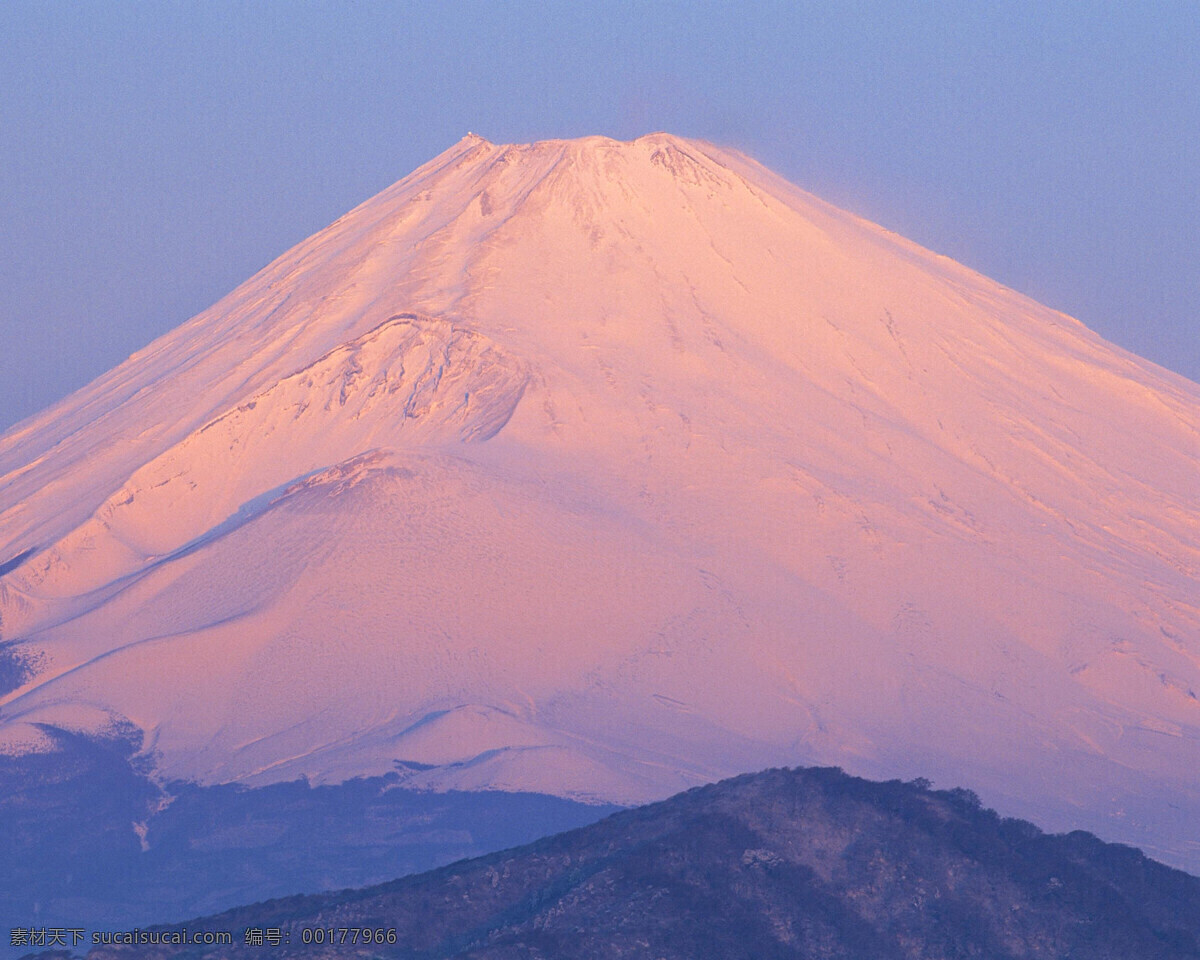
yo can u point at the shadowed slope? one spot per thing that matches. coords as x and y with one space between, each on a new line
783 864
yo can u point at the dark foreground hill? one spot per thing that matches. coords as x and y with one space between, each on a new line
89 840
805 863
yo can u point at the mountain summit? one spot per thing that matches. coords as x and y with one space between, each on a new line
603 469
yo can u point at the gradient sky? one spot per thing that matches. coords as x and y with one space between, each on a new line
154 155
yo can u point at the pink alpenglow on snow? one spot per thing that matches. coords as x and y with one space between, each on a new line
604 469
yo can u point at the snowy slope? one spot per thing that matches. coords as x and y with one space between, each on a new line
603 469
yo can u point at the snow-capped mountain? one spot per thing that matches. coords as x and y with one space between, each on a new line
603 469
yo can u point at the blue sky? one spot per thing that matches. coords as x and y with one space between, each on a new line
154 155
